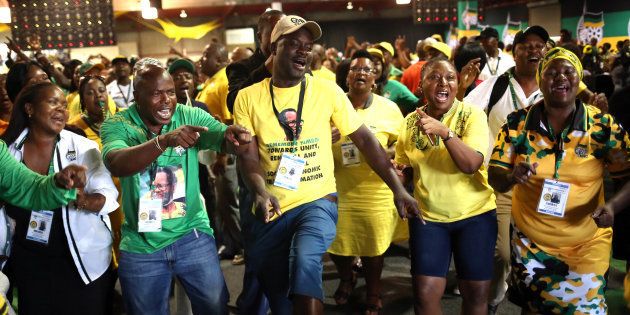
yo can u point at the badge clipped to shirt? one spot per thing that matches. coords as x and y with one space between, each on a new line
553 199
39 226
289 171
150 215
350 154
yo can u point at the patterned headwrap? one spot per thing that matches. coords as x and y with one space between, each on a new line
561 53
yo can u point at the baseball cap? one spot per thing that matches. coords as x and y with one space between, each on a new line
437 37
375 52
89 66
181 63
489 32
120 58
386 46
292 23
535 29
442 47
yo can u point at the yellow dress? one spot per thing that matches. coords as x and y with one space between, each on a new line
367 217
115 217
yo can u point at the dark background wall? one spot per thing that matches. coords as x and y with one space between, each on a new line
335 33
572 8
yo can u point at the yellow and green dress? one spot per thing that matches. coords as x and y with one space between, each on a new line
116 218
367 217
559 263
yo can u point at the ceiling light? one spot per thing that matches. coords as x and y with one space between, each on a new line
149 13
349 6
183 14
403 1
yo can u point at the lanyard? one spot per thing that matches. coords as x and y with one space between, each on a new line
514 97
294 132
126 98
495 68
558 146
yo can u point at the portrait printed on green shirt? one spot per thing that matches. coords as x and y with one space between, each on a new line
168 184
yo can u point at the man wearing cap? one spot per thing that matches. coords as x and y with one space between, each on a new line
289 168
183 73
388 54
497 61
121 89
74 103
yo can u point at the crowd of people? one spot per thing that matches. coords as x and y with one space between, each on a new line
511 162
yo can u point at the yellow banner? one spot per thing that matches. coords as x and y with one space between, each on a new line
176 32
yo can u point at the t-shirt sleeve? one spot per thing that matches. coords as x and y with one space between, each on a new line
401 156
24 188
242 113
480 95
617 149
213 138
394 120
476 133
113 135
344 116
503 152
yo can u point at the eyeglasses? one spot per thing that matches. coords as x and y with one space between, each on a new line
364 70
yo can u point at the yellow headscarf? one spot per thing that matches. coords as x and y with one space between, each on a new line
559 53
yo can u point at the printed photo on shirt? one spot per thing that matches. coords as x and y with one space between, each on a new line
288 120
168 185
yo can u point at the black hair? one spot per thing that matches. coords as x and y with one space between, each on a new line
467 52
171 179
430 65
264 18
83 83
16 78
19 118
341 74
362 53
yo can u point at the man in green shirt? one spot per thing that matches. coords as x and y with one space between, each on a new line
152 147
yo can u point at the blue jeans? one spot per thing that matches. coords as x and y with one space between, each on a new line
286 253
145 279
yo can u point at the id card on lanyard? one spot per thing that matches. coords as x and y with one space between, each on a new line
289 172
40 223
554 194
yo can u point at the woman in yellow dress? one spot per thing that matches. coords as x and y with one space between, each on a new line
367 215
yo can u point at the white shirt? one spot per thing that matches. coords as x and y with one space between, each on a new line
480 97
122 94
496 65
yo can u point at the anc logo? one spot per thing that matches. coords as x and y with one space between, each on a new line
283 170
143 216
33 224
547 197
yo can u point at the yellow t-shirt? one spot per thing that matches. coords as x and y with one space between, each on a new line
595 142
214 95
74 105
324 73
89 132
324 102
446 194
358 185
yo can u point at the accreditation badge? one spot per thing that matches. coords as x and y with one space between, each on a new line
553 198
289 171
149 215
350 154
39 226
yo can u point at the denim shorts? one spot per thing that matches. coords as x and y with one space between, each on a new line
471 241
286 254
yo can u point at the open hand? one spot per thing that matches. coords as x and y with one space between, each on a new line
469 73
72 176
266 206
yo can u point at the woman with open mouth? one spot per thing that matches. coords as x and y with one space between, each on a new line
444 143
367 215
63 253
554 154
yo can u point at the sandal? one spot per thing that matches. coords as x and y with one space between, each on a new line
346 286
373 305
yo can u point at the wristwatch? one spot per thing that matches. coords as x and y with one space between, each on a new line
450 135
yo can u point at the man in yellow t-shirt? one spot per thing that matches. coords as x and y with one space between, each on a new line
289 169
319 71
215 89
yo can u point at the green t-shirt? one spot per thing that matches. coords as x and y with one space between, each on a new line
126 129
400 94
26 189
